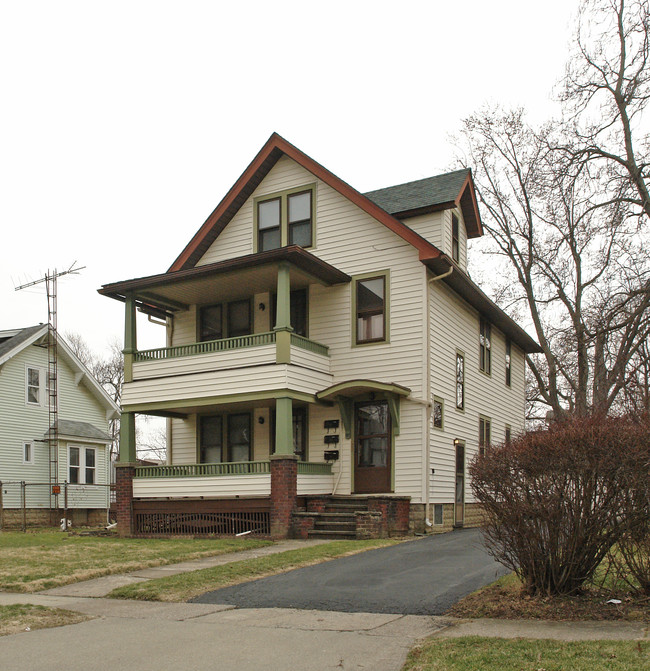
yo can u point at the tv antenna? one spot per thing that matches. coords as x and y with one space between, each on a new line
50 280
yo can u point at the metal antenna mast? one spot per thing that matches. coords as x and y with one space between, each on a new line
50 281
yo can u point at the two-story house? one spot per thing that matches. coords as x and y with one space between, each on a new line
326 350
40 479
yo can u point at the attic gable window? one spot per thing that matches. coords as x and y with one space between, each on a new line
455 244
285 218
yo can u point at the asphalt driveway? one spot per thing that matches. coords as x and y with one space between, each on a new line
421 577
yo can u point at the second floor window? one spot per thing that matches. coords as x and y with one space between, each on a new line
371 309
508 361
285 219
225 320
34 386
485 345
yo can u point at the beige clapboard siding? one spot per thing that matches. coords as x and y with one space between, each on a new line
429 226
215 383
306 359
198 363
455 326
183 441
409 451
184 327
20 423
221 486
316 444
315 484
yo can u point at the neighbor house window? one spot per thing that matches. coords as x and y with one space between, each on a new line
438 412
370 309
483 435
455 243
225 438
485 336
225 320
28 453
33 386
460 381
285 218
82 464
508 361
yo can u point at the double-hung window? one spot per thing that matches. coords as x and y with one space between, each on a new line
455 239
285 219
33 390
225 438
485 346
82 465
225 320
370 309
28 453
484 428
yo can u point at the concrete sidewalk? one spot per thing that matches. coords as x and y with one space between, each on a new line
100 587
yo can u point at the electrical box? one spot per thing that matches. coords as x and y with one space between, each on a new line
331 440
331 455
331 424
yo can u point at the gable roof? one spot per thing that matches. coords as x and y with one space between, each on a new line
452 189
15 341
260 166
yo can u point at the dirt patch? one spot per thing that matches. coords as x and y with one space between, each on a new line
506 599
24 618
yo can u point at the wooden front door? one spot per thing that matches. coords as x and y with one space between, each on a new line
372 448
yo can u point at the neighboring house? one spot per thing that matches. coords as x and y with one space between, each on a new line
81 464
319 341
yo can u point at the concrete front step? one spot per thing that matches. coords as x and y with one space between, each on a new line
339 535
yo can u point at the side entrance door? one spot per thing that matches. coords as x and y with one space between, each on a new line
372 448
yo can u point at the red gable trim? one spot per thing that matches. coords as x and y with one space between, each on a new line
253 175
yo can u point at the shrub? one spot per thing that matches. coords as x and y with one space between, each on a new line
557 500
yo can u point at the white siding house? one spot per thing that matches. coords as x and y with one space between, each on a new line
81 461
307 321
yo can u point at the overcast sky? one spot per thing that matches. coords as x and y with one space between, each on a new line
123 124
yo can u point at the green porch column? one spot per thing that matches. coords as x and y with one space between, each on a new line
282 326
130 337
283 426
127 438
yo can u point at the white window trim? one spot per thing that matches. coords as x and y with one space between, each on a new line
82 464
31 452
41 386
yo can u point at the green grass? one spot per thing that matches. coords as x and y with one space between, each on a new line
30 562
474 653
184 586
25 617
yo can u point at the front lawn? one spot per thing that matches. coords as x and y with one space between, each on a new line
33 561
475 653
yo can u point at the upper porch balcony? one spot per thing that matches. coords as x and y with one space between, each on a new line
239 326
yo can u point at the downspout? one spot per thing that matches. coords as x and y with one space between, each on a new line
427 498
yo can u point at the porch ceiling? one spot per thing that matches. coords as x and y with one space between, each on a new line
231 279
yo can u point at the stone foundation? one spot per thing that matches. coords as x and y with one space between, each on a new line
12 518
417 517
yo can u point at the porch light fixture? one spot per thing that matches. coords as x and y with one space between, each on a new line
260 420
261 307
456 441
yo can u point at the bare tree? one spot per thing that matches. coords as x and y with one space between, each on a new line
604 94
578 271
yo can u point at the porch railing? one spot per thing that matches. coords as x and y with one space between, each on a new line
207 347
226 468
195 470
225 344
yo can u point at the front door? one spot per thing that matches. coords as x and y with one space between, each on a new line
372 448
459 507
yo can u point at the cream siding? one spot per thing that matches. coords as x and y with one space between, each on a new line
455 326
429 226
221 486
22 422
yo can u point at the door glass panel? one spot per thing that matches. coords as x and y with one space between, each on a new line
239 437
373 452
372 435
211 440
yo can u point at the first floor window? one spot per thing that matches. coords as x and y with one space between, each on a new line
371 310
225 438
508 434
298 430
82 465
34 386
438 408
28 453
460 381
483 435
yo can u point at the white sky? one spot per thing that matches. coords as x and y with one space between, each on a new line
123 124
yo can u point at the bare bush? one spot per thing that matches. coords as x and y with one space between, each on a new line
556 501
